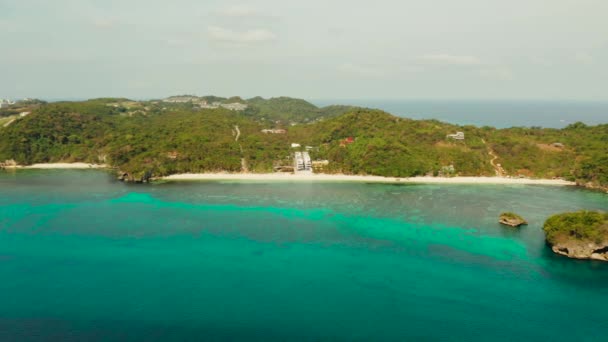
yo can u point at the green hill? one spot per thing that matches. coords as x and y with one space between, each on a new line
288 110
164 138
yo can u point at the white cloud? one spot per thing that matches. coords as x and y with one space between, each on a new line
238 11
360 70
541 61
223 35
497 73
449 60
8 26
374 71
583 58
104 23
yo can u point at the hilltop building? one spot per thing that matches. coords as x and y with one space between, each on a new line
230 106
5 103
182 99
234 106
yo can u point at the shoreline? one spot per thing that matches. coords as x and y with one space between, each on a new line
358 178
288 177
52 166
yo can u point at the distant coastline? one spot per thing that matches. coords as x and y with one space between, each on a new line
495 113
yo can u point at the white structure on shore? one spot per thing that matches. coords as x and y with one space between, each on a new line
302 162
457 136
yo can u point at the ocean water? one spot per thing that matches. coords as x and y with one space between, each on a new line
86 258
501 114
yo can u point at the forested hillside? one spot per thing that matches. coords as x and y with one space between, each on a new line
158 138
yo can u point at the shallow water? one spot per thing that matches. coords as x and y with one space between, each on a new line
83 257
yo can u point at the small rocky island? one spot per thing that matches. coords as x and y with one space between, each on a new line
511 219
579 235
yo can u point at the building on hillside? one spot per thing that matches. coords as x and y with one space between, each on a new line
181 99
172 155
5 103
274 131
234 106
457 136
347 141
295 145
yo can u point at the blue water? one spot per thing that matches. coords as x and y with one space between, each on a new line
85 258
501 114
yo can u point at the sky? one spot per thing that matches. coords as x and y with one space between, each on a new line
313 49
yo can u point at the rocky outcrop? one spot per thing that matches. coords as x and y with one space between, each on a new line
578 235
593 186
142 177
511 220
582 250
10 163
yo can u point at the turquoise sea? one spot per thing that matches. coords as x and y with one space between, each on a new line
86 258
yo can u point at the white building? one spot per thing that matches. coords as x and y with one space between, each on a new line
234 106
5 103
457 136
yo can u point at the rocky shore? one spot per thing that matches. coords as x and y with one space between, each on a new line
578 235
582 250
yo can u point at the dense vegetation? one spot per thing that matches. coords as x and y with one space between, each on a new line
585 226
163 138
288 110
576 152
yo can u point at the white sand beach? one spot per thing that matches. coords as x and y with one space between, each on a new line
355 178
63 166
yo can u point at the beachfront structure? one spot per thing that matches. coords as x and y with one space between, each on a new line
457 136
302 162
